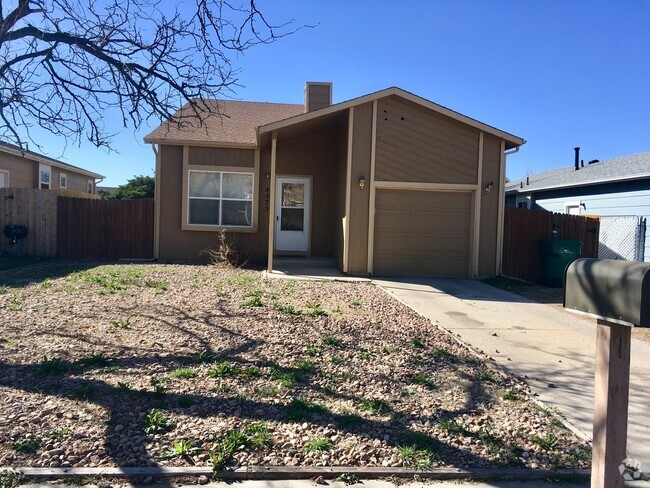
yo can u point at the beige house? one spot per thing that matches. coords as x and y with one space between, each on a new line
388 183
27 169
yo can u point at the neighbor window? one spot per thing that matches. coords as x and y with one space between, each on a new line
63 180
220 198
4 179
44 176
523 202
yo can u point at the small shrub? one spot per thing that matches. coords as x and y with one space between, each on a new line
54 366
417 342
581 453
159 384
332 341
376 406
15 305
319 444
156 421
184 373
225 255
28 445
223 370
10 478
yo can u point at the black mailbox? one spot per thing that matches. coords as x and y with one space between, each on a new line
611 290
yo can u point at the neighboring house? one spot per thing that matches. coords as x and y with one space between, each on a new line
616 189
27 169
388 183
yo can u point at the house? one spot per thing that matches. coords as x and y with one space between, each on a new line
388 183
616 189
28 169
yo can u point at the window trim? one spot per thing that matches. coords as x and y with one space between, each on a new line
6 172
525 199
90 186
254 170
572 204
41 168
63 175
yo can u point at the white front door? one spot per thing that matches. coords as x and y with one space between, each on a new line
293 214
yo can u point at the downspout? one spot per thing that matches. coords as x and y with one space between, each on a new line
502 204
156 202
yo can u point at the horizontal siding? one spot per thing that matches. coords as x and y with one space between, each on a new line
22 172
220 156
635 202
418 145
422 234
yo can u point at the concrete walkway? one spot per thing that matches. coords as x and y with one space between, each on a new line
552 349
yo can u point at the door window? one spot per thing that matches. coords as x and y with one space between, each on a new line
292 213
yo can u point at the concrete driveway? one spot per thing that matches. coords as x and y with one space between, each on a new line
551 349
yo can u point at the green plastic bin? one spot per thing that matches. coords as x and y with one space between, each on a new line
557 254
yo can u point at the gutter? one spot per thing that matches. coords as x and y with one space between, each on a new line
640 176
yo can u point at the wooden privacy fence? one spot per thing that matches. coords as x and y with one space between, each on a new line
105 229
35 209
523 229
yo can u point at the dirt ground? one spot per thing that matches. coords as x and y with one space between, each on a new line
142 365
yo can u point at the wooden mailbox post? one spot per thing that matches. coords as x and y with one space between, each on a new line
617 294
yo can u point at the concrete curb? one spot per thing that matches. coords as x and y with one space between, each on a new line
293 473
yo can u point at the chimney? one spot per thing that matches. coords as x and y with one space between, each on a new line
317 95
577 163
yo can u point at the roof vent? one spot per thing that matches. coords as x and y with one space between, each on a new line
577 161
318 94
594 161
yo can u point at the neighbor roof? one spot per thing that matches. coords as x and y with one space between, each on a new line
41 158
232 123
624 168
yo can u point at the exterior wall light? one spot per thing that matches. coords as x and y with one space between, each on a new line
362 182
488 187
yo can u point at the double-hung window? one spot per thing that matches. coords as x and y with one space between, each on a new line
44 176
220 198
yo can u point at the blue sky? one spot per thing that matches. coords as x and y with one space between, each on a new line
557 73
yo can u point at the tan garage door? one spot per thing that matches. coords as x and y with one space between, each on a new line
421 233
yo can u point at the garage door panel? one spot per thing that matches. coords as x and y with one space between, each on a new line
420 233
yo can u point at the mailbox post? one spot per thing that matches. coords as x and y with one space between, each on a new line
617 294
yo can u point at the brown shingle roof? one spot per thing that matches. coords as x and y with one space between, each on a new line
236 123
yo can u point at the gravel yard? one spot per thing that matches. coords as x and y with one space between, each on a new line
142 365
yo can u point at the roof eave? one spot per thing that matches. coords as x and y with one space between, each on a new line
190 142
639 176
50 162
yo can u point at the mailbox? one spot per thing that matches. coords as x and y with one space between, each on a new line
615 291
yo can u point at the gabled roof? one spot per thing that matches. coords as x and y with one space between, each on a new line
625 168
40 158
237 123
513 140
232 122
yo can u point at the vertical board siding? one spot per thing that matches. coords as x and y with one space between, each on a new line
523 229
105 229
418 145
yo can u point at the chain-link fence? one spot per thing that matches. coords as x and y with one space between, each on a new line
622 237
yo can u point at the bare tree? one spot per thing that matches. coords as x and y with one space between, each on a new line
65 64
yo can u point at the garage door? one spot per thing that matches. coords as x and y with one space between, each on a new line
421 233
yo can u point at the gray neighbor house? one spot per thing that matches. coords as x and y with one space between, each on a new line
617 190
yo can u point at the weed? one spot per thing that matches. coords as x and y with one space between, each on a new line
336 310
285 378
3 289
184 373
180 449
332 341
83 392
254 299
10 478
258 435
319 444
122 323
347 418
123 386
159 286
95 361
306 366
364 355
442 353
453 427
288 309
417 342
52 366
547 442
424 380
355 303
156 421
205 357
336 359
61 433
303 409
314 310
511 395
267 391
486 377
108 369
28 445
348 479
389 350
251 372
15 305
223 370
46 283
314 351
376 406
419 450
159 384
555 422
245 279
581 453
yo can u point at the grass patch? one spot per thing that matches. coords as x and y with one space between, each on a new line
442 353
314 351
268 391
486 377
547 442
424 380
184 373
364 355
10 478
376 406
251 372
244 279
254 299
51 367
223 370
453 427
319 444
288 379
301 409
581 453
205 357
511 395
95 361
417 342
336 360
418 450
185 401
332 341
288 309
347 418
83 393
15 305
314 310
305 366
258 435
355 303
389 350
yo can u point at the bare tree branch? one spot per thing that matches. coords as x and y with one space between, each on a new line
66 64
